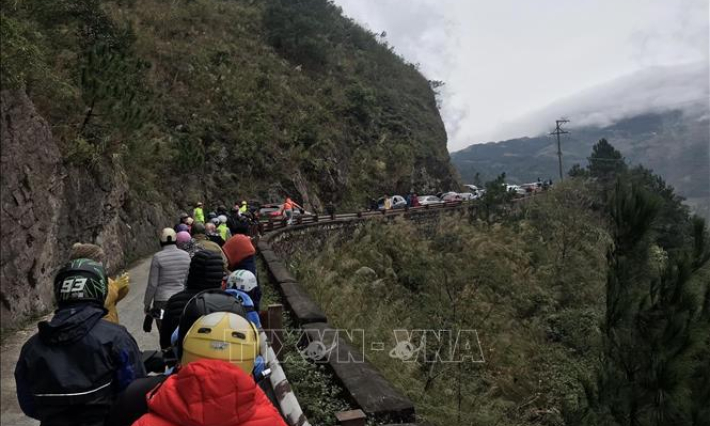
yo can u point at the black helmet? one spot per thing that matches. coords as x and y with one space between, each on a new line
184 215
211 215
205 303
81 280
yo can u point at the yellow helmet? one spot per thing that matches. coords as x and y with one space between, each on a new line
224 336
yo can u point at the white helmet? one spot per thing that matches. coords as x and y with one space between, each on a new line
168 236
222 218
215 221
242 280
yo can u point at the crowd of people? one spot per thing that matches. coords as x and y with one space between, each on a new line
82 368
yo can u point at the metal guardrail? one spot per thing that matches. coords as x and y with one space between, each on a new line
266 226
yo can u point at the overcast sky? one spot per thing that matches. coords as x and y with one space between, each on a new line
508 64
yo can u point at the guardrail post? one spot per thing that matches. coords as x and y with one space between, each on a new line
359 213
315 217
351 418
274 325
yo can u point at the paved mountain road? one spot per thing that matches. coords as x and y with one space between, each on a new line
130 311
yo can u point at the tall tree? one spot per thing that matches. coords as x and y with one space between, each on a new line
653 329
606 162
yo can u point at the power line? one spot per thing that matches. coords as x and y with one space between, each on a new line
559 131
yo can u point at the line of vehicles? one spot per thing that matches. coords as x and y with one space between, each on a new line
473 193
275 211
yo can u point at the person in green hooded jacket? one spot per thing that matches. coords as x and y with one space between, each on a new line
199 214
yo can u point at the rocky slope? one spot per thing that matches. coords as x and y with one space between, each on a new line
48 205
118 113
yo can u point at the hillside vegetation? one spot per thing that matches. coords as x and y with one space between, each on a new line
591 305
227 99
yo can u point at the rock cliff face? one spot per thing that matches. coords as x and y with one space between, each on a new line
47 206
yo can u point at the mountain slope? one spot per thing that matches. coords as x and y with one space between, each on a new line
117 114
674 144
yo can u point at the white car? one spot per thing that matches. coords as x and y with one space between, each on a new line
472 188
451 196
468 196
426 200
516 189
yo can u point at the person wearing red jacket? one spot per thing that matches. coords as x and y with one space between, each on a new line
240 253
210 392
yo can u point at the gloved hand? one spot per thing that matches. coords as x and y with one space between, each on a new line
148 323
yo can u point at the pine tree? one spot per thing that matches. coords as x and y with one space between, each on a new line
605 163
653 330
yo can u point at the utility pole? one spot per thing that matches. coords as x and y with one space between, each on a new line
559 131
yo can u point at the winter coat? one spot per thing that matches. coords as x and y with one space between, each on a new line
199 215
117 290
239 249
70 372
204 243
206 272
224 232
167 274
210 393
216 238
131 403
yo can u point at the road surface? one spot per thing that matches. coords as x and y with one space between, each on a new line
130 311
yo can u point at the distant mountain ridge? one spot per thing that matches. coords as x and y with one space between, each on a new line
675 144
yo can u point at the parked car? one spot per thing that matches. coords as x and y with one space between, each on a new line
472 188
273 211
426 200
532 187
451 196
515 189
398 202
468 196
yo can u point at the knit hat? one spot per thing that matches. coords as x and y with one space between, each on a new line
182 238
206 271
87 251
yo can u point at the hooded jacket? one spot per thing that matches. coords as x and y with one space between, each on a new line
206 272
71 371
209 393
240 253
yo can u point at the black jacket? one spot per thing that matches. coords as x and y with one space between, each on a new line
71 371
206 272
132 403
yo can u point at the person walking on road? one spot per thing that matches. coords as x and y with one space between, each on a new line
287 209
240 253
168 272
117 289
206 271
73 369
181 221
202 242
199 214
222 228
